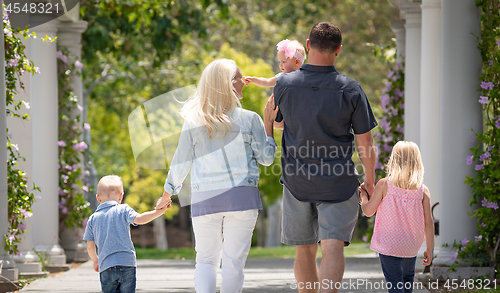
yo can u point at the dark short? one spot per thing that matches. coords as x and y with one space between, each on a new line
306 223
118 279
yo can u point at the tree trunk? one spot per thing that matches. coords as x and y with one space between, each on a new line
273 238
160 233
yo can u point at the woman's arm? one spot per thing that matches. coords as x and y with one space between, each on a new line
181 162
264 150
261 81
429 227
370 206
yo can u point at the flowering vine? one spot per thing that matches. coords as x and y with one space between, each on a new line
20 198
391 128
486 155
73 207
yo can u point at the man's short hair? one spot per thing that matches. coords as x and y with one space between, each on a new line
325 37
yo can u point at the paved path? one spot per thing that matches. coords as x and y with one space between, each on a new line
261 275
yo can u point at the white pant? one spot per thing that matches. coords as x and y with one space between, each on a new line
224 235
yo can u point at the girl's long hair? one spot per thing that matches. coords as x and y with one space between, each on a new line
215 99
405 168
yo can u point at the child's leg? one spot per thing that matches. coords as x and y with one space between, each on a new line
393 272
109 280
208 245
127 280
408 265
237 233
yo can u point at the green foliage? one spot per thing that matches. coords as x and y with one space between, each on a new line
20 198
486 155
73 207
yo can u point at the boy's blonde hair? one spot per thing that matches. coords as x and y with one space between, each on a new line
405 168
215 99
110 185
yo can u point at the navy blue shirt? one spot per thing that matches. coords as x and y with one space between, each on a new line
322 110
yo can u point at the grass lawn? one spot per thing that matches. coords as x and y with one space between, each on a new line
255 252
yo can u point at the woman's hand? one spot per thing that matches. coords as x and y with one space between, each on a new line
164 201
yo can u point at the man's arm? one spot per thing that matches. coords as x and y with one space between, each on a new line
93 254
368 157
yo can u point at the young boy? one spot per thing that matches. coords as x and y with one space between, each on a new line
108 230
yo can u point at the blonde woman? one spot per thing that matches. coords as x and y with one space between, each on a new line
403 206
224 144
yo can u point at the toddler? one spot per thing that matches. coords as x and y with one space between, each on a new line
291 55
108 229
403 206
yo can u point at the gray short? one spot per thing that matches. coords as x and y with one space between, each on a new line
306 223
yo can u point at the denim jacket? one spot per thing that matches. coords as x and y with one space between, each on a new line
220 163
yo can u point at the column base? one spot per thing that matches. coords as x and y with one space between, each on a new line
28 263
10 274
79 254
53 254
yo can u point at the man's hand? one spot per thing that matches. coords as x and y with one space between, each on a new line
367 188
96 266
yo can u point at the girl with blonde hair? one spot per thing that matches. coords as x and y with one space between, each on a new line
404 219
223 144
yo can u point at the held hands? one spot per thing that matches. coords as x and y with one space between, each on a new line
164 202
270 111
366 188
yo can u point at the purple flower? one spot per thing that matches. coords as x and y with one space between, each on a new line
61 143
453 256
64 210
479 167
37 70
484 202
365 238
399 93
80 108
75 186
478 238
65 178
75 166
400 128
61 56
78 64
378 165
7 32
491 62
387 148
21 227
492 205
384 100
485 156
395 77
486 85
490 148
390 74
61 192
80 146
25 213
497 123
498 43
86 126
85 188
69 168
483 100
465 241
11 238
469 160
473 139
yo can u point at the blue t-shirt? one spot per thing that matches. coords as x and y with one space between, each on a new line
109 227
322 111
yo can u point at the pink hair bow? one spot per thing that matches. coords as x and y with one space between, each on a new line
290 50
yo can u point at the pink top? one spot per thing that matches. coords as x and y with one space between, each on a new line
399 224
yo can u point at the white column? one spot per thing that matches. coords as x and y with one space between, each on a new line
21 132
8 270
398 27
430 96
460 111
44 118
69 35
413 16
